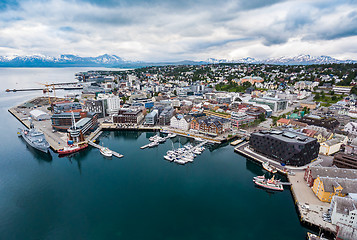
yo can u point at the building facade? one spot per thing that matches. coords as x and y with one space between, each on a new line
286 147
326 187
128 116
344 211
343 160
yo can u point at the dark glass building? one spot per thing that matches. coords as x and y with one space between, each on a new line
285 146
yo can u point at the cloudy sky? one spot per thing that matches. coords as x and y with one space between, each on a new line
163 30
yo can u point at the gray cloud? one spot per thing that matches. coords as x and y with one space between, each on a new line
176 30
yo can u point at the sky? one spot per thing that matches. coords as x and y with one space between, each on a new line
169 30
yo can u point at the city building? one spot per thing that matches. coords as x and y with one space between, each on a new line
96 106
285 146
63 121
344 211
327 187
309 105
283 122
128 116
84 125
238 119
275 104
250 79
342 89
330 147
306 85
113 105
351 128
181 122
151 118
207 125
65 106
343 160
166 115
312 172
351 148
328 123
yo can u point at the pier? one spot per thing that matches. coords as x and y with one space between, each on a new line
308 206
116 154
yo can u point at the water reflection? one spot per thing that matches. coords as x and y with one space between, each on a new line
77 158
37 154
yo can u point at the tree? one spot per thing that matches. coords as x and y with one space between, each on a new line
262 117
317 96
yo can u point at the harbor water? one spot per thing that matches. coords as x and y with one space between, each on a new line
140 196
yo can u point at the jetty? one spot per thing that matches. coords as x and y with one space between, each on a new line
308 206
116 154
236 142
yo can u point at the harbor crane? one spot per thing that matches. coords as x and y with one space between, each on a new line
49 88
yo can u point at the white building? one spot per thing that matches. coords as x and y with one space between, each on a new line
113 105
330 146
351 128
180 122
39 115
344 210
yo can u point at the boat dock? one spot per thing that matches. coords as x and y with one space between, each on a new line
236 142
116 154
308 206
243 149
191 135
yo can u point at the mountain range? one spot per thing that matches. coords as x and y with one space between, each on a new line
106 60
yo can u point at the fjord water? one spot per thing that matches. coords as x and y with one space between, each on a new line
140 196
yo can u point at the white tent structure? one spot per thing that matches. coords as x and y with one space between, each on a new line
39 115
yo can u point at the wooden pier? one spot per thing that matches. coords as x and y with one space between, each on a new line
116 154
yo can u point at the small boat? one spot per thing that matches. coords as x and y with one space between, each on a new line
187 158
180 161
172 135
269 168
106 152
311 236
72 149
153 144
188 146
169 158
196 151
271 184
259 178
198 139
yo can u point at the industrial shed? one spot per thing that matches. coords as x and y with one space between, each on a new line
39 115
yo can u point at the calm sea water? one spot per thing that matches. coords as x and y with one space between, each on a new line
140 196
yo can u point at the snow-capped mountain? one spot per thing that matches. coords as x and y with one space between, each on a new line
106 60
305 60
297 60
64 60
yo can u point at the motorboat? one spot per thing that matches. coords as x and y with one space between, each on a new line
269 168
106 152
271 184
169 158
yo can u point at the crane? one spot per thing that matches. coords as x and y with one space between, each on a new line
47 89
